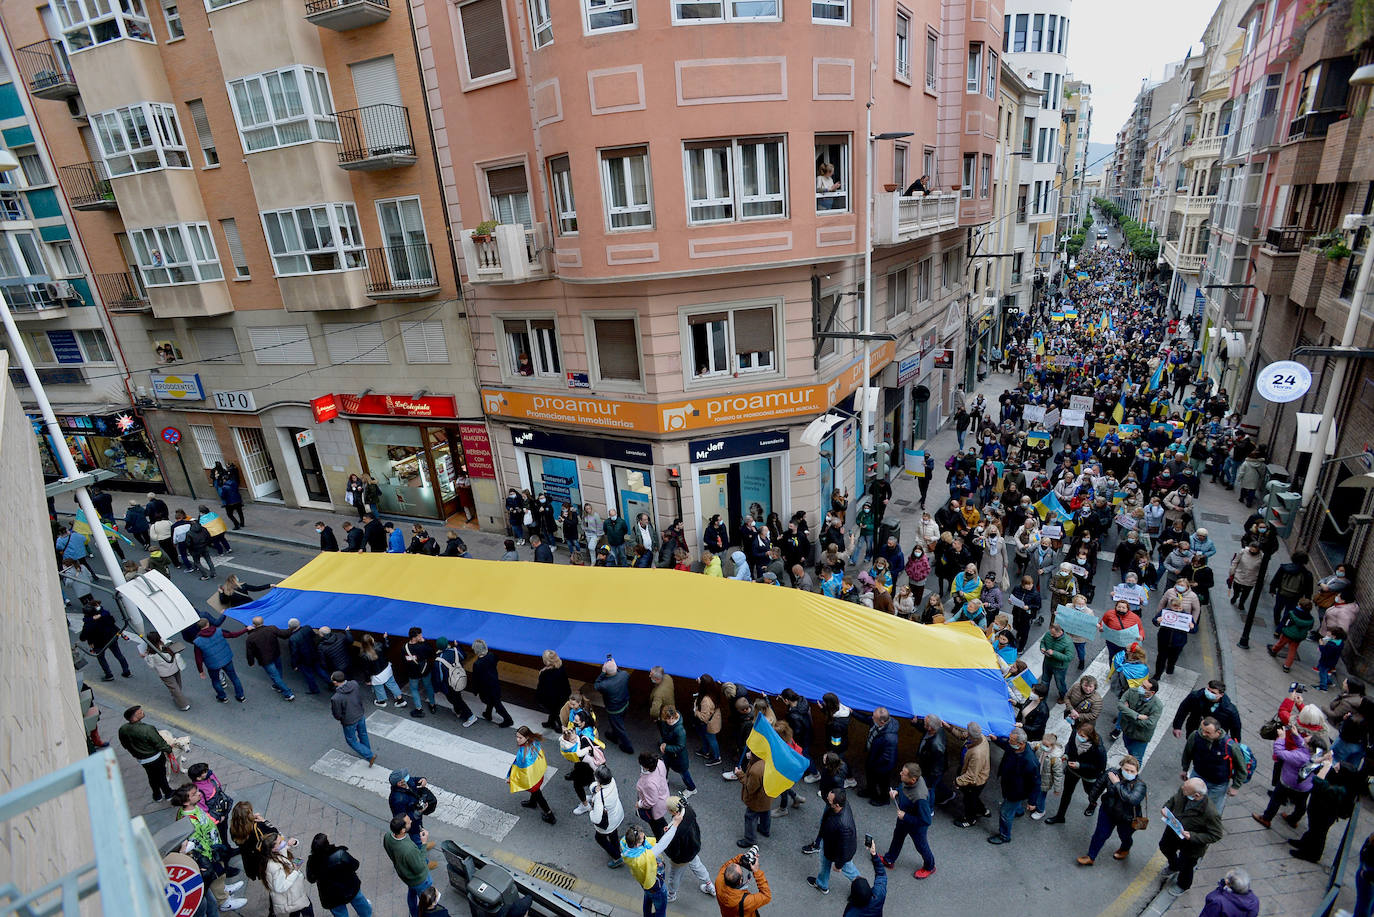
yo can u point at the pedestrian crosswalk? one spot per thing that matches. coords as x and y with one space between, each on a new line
1172 689
456 749
455 810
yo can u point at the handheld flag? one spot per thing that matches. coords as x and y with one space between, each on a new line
1021 683
1037 436
1050 504
1119 412
782 766
1157 377
527 770
82 527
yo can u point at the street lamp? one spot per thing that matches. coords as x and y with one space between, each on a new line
9 163
865 413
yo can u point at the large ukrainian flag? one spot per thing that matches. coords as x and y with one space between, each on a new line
762 637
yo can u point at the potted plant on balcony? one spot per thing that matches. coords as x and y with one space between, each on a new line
1333 245
483 231
891 186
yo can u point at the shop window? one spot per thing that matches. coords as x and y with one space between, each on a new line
395 456
615 350
532 347
832 172
556 476
730 341
634 493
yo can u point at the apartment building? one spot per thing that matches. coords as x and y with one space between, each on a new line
1009 235
46 282
1073 166
1036 42
258 197
664 210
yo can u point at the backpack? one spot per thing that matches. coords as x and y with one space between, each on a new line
1290 583
454 674
1234 748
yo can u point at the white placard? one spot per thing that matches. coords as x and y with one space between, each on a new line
1081 403
1283 381
1072 418
1033 413
1051 419
1178 620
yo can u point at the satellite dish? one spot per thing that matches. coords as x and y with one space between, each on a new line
920 394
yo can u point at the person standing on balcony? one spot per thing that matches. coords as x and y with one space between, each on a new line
922 184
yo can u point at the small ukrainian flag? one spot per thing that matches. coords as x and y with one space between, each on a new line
782 767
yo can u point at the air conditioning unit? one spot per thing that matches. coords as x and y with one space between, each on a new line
77 109
61 289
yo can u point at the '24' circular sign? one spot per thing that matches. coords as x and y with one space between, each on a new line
1283 381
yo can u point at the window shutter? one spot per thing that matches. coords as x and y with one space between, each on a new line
217 345
617 348
207 444
202 123
753 330
231 238
424 342
355 343
375 82
705 318
507 180
484 37
287 344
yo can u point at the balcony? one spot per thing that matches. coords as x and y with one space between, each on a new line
342 15
898 219
44 67
375 137
1313 125
88 186
1195 204
1339 150
1187 264
32 297
1203 148
122 294
1312 272
401 272
513 253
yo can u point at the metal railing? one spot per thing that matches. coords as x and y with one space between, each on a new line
43 65
1314 124
374 131
87 184
323 6
1335 880
401 268
1286 238
120 293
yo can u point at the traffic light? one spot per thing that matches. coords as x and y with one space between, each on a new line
879 460
1282 505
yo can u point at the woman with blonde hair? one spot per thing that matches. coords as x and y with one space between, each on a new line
553 689
372 659
233 593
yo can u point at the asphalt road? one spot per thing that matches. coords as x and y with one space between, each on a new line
1035 871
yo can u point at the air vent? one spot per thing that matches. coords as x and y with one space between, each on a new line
552 876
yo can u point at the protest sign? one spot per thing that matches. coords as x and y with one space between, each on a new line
1130 592
1178 620
1072 418
1051 531
1051 418
1033 413
1076 622
1126 522
1081 402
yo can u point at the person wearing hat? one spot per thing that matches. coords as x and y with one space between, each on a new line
405 800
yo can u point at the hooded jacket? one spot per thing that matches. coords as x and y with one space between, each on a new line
741 567
1222 902
346 704
713 568
867 900
212 649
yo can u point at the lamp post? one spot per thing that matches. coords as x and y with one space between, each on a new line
865 413
8 163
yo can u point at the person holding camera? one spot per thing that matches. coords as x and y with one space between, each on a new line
732 892
866 899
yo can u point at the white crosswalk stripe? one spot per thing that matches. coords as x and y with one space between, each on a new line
494 762
455 810
1172 689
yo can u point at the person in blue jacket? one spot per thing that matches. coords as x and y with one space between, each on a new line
917 811
865 899
395 541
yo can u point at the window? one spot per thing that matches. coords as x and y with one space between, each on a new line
12 206
1017 264
1064 35
32 165
985 179
1027 133
355 343
87 23
928 162
484 38
1051 26
217 345
202 124
140 138
172 14
508 196
176 254
541 24
1046 94
949 269
1022 203
207 444
1037 30
1019 37
39 347
314 240
405 245
734 179
970 168
975 67
532 347
898 292
610 15
282 107
900 151
66 254
424 342
615 349
923 277
284 344
695 11
626 186
903 45
932 58
1041 144
230 228
560 179
94 345
830 12
991 87
734 340
832 172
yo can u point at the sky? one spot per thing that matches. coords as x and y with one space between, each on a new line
1114 49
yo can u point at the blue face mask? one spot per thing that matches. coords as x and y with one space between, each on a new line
1127 775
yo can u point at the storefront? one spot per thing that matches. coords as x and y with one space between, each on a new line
737 475
569 468
416 449
116 442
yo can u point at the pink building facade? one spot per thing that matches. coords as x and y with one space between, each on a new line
659 207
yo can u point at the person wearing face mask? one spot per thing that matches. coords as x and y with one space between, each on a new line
1207 701
1019 775
328 541
1261 533
1202 827
1244 573
917 572
515 514
1122 800
1125 553
616 532
284 879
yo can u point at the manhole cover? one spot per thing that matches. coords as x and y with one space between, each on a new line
1214 517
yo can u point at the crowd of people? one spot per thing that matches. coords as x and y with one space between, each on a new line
1094 457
